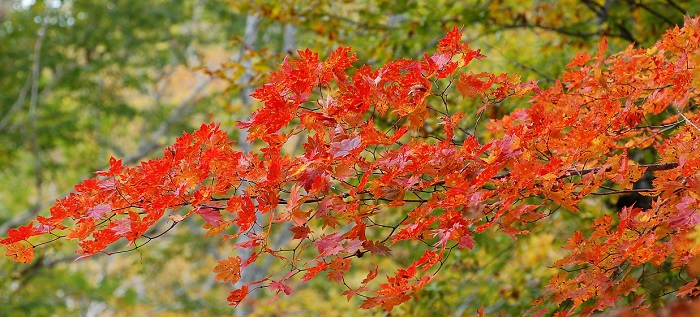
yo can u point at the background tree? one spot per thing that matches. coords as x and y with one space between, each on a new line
83 81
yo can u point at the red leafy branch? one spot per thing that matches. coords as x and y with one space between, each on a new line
388 161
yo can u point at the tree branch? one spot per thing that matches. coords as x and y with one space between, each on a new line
677 7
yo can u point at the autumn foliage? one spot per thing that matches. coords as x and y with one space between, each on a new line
372 178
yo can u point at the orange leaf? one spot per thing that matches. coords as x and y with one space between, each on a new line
229 270
82 229
237 296
471 84
371 275
20 252
688 289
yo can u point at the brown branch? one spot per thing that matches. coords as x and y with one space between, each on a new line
677 7
649 168
641 4
624 191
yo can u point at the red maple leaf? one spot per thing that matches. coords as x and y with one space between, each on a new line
329 244
279 286
115 168
376 247
98 211
470 84
313 271
211 215
20 234
451 42
344 147
237 296
245 210
300 232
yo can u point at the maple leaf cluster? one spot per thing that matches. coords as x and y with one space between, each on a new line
369 181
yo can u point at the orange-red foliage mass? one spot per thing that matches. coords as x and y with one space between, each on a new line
366 152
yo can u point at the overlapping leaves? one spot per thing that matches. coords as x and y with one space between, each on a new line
367 181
